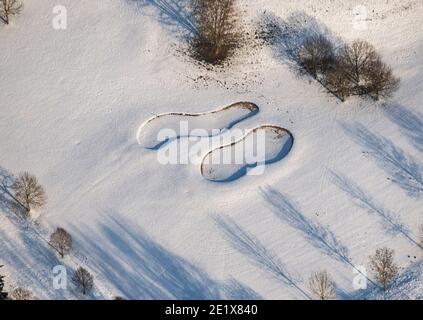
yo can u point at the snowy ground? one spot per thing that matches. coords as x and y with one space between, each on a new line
71 103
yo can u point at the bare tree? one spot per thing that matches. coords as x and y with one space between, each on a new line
384 268
379 81
356 58
21 294
9 8
83 280
316 55
364 67
216 22
28 192
61 240
337 83
322 286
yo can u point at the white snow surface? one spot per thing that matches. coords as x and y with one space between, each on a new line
71 102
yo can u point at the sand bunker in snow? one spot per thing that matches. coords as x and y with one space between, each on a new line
249 155
162 128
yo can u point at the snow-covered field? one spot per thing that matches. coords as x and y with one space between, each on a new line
71 105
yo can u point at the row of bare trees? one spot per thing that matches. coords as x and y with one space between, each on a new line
355 69
62 242
382 265
82 279
30 195
9 8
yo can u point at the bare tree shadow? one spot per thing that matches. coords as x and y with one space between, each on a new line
286 36
7 204
320 237
411 123
390 222
175 14
403 169
139 267
248 245
235 290
36 247
33 248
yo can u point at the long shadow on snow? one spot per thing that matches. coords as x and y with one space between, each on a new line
172 13
390 221
286 37
139 267
136 265
403 169
319 236
235 290
248 245
36 248
410 122
36 263
244 170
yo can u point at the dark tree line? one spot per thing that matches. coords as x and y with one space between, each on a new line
356 69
